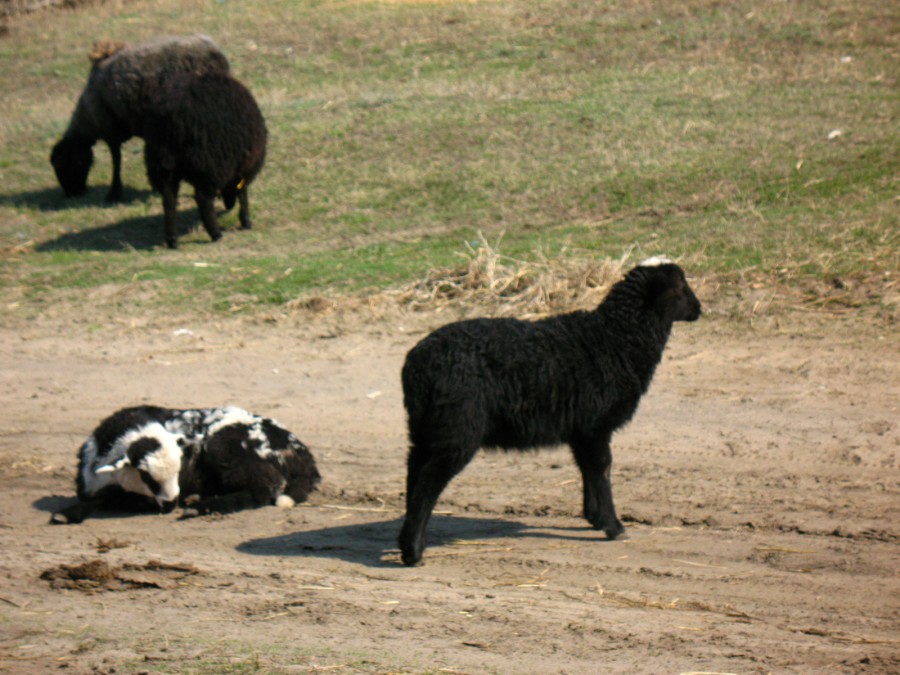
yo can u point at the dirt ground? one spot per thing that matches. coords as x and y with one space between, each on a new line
759 483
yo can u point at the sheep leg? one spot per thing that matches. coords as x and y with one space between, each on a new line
414 464
75 513
169 191
426 480
594 458
206 206
226 503
115 189
244 212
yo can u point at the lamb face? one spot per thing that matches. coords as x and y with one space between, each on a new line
149 463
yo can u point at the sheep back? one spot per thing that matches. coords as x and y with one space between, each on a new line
207 130
242 452
121 85
508 383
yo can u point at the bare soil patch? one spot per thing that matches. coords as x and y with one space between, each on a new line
758 482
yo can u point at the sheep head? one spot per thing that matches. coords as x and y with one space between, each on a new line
71 159
150 464
667 292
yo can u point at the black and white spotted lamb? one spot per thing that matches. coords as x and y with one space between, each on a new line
206 130
220 460
515 385
122 82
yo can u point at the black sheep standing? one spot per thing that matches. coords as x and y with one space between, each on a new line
505 383
206 130
122 83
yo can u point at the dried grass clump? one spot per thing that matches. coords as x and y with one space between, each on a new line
509 286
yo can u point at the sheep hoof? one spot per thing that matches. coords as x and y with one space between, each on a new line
411 558
189 513
615 532
60 519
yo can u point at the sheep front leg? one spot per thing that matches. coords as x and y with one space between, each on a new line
594 458
207 207
115 189
75 513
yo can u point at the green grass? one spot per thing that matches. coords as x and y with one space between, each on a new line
400 130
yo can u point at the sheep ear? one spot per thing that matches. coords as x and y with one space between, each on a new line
116 466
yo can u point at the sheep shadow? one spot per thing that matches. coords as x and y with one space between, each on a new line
55 503
374 544
142 233
53 199
52 503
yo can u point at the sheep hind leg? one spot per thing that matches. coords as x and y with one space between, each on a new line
594 458
207 208
115 189
426 479
225 503
169 191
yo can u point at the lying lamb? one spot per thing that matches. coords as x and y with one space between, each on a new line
206 130
515 385
211 460
122 81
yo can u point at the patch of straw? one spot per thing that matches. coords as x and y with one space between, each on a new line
513 287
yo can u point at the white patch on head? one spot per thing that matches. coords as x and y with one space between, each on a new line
168 491
163 464
656 261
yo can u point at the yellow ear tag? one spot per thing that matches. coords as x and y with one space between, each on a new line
240 186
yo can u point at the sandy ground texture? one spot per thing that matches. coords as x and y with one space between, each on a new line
759 483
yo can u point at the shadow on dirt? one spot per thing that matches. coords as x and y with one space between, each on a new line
53 199
374 544
139 506
53 503
142 233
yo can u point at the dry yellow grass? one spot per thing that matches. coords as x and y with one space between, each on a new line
510 286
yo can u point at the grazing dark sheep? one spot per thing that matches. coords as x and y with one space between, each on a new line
211 460
208 131
505 383
122 81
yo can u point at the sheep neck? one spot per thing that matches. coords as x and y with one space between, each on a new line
633 333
